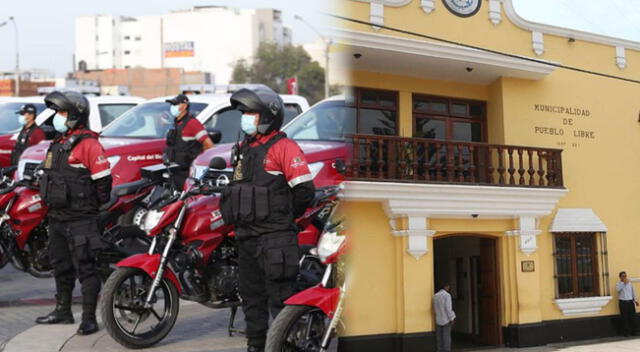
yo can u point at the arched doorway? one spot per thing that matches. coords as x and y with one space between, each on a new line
469 263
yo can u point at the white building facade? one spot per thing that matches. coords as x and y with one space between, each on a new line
207 39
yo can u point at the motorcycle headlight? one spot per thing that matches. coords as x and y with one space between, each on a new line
329 244
151 220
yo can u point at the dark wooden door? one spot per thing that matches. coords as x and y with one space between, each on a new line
488 294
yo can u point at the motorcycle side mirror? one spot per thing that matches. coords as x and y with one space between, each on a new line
218 163
340 166
215 135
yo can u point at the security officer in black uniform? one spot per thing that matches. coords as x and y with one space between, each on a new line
29 135
271 186
76 181
186 140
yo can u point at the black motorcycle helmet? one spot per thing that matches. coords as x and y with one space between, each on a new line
264 101
74 103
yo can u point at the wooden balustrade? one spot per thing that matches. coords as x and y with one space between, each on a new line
399 159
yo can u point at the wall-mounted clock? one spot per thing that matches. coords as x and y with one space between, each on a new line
463 8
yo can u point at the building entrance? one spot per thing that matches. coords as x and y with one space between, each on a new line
469 265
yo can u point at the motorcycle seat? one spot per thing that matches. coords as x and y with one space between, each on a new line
130 188
125 189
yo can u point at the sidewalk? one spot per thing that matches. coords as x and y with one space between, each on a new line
198 329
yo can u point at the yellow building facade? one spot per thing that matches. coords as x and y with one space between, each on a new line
495 154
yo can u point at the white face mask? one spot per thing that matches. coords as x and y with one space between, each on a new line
60 123
174 110
248 124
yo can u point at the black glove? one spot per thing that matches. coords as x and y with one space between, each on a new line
103 189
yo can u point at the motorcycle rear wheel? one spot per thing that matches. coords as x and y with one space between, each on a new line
297 328
122 301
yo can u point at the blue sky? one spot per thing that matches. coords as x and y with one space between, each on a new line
47 37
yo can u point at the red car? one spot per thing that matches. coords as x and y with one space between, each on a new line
137 138
320 133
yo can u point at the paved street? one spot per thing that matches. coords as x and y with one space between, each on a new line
22 298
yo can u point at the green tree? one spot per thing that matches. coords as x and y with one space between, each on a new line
273 65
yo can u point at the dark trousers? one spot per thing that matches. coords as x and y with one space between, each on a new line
268 269
180 177
72 246
628 317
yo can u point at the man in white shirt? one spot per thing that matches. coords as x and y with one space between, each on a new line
444 318
626 300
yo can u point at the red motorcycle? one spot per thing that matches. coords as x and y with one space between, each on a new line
193 256
310 318
23 225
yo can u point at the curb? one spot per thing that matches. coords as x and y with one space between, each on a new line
36 302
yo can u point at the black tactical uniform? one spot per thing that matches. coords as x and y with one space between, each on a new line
263 205
76 181
28 136
184 141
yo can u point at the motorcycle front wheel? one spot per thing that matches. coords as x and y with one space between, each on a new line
123 312
297 328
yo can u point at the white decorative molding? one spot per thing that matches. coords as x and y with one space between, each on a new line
455 201
578 306
417 234
495 12
519 68
577 220
376 15
393 223
392 3
528 231
537 42
565 32
428 6
621 57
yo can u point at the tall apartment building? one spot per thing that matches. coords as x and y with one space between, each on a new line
208 39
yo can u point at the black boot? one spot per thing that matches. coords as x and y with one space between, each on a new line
61 314
90 289
88 326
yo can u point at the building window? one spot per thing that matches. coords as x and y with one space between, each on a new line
127 52
576 265
126 37
138 38
449 119
376 112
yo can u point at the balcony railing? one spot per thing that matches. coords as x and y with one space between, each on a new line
398 159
